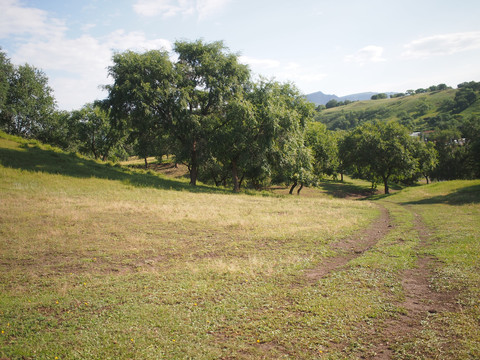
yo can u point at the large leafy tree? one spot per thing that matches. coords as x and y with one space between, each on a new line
427 158
379 151
28 101
95 134
209 78
262 135
233 145
142 99
59 131
453 156
152 96
289 114
324 147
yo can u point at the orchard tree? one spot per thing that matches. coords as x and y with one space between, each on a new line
323 144
59 131
94 131
299 170
453 157
234 143
29 102
209 77
379 151
262 135
427 157
152 97
142 99
284 115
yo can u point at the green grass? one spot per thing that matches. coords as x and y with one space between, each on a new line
101 262
93 256
396 108
451 210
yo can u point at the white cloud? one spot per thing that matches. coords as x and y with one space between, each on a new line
82 61
368 54
19 20
76 67
207 8
87 27
443 44
135 40
261 63
305 76
166 8
169 8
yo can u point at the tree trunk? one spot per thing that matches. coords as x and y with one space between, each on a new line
300 188
146 163
341 177
193 175
426 178
194 165
293 187
241 180
385 183
236 185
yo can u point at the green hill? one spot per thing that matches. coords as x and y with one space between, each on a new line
419 112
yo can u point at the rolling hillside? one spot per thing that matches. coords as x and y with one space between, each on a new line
417 112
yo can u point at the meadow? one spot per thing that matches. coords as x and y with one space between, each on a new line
100 261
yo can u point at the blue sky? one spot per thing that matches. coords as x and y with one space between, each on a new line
338 47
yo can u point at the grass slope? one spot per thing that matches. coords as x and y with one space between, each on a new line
100 262
396 108
451 213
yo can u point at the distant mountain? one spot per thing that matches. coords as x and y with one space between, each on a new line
319 98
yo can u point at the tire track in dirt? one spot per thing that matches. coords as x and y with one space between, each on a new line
351 247
420 299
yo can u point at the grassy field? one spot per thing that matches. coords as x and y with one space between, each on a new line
101 262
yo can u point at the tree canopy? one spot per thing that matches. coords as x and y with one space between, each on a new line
27 100
379 151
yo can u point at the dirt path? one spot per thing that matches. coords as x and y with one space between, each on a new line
353 246
420 299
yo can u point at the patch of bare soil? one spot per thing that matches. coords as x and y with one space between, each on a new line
352 247
420 300
168 169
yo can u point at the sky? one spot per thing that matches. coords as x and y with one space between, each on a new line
337 47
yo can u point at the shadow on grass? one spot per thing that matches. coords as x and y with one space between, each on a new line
346 190
466 195
34 158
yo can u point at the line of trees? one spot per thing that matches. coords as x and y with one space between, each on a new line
205 110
